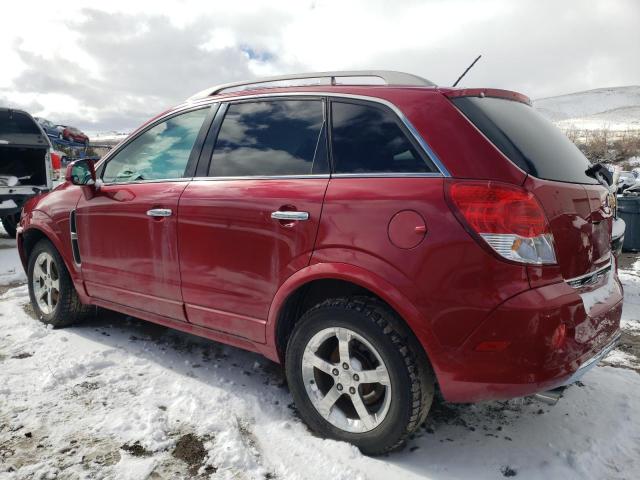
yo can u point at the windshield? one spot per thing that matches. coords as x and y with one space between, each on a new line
12 122
527 138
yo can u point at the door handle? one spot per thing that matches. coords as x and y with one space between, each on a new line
159 212
290 215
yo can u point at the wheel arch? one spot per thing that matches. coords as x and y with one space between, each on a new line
321 281
38 228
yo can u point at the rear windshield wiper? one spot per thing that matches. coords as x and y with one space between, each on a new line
601 173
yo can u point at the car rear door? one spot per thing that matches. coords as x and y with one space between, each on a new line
127 230
250 220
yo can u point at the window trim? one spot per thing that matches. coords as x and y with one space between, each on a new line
411 132
206 157
217 106
192 161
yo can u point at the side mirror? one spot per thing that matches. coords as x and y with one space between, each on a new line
81 172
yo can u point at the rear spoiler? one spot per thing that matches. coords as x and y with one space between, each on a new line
487 92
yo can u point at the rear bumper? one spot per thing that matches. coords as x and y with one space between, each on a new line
591 362
528 358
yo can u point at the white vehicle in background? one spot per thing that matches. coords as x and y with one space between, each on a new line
625 180
25 164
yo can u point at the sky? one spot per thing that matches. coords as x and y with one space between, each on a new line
111 65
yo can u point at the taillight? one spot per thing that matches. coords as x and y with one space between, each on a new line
47 159
508 218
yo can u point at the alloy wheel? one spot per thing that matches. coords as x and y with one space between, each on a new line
46 283
346 380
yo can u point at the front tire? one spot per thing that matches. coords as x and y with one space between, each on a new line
358 375
10 224
53 296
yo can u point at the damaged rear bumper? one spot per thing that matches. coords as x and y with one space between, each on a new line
552 396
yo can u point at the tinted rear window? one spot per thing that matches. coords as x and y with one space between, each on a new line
368 139
17 122
527 138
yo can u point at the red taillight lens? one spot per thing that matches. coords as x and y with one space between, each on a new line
507 217
499 209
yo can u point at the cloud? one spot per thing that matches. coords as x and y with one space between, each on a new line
143 64
115 66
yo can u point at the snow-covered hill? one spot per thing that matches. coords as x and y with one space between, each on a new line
615 108
107 138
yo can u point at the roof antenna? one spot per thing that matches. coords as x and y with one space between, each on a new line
465 72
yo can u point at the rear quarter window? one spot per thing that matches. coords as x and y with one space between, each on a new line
528 139
368 139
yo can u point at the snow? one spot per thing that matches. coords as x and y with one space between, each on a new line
107 138
70 399
603 108
11 270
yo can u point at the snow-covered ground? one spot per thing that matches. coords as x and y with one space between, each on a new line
120 398
603 108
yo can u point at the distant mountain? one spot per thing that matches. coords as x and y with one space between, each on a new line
107 138
616 108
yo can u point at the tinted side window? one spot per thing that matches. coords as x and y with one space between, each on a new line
368 139
266 138
162 152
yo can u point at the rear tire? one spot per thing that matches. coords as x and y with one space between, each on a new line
10 224
53 296
377 397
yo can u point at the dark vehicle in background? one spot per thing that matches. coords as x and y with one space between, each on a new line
50 128
25 164
72 134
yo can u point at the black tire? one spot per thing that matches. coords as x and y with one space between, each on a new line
10 224
411 375
69 309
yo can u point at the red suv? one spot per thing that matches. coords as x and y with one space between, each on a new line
72 134
375 239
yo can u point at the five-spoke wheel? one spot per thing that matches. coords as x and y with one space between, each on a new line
53 295
46 283
346 379
357 374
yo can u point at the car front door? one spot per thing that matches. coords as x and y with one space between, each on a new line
251 220
127 229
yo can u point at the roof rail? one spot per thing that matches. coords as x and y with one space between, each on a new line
389 77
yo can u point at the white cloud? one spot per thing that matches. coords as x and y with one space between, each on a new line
114 65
